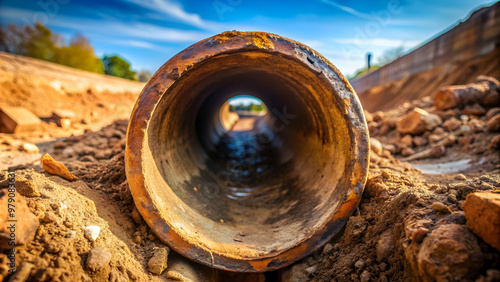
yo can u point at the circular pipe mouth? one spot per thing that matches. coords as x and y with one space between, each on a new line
247 200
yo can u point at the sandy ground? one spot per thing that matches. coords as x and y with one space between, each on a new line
410 225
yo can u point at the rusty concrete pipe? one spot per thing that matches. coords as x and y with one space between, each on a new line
249 201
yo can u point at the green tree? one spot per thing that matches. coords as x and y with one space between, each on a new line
256 108
11 39
116 66
39 42
79 54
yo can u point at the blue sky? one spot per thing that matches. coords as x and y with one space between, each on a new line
148 32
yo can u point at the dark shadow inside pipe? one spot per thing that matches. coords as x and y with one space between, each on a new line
275 184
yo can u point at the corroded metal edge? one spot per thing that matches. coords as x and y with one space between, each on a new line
231 42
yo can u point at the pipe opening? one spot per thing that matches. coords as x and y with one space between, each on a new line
276 183
241 113
258 198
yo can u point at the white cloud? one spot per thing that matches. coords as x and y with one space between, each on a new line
131 30
171 8
175 10
135 43
348 9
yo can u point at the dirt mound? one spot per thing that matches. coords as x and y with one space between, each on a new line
391 95
409 225
43 87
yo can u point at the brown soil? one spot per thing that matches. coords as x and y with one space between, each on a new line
379 242
393 94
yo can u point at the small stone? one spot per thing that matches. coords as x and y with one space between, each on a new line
365 276
437 151
311 270
98 258
68 223
482 211
433 138
460 176
419 234
385 245
136 216
492 112
368 116
70 234
158 263
438 130
359 264
49 217
29 148
452 198
88 158
391 148
54 167
464 129
376 146
378 115
440 207
386 154
405 152
407 140
493 124
137 240
382 266
474 110
92 232
328 248
131 275
420 141
495 143
464 119
476 125
52 247
22 273
27 188
452 124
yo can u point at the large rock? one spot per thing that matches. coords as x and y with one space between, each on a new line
24 226
18 120
450 253
482 211
485 88
418 121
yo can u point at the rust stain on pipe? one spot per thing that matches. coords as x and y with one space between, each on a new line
288 185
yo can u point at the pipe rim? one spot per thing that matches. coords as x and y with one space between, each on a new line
226 43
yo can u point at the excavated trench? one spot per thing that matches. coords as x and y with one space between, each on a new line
252 200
